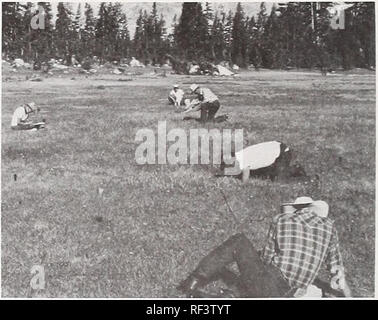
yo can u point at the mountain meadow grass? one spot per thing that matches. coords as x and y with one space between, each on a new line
103 226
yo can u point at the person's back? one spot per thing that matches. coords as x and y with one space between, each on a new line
259 155
302 241
19 116
206 95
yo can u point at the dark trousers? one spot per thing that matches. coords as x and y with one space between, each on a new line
208 110
256 280
26 126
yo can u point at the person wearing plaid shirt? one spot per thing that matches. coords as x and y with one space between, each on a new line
299 242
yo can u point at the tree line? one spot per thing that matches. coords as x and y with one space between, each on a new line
291 35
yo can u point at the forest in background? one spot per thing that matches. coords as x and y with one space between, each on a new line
284 37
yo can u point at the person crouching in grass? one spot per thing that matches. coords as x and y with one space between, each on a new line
208 103
176 97
20 118
270 159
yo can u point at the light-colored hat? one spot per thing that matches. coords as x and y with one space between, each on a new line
320 208
194 87
175 86
300 201
32 106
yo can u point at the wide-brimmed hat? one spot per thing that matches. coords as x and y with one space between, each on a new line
194 87
175 86
300 201
320 208
32 107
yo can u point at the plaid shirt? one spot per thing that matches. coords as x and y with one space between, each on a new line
299 243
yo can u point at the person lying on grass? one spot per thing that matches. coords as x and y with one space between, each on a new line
176 96
267 159
301 240
21 115
207 102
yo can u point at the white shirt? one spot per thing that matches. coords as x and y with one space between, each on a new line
258 156
208 95
18 116
177 95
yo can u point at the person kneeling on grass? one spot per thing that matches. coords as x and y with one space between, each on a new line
21 115
300 241
207 102
176 96
267 159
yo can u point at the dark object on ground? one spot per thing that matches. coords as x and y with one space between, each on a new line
99 219
37 65
221 118
179 66
29 126
224 293
100 87
327 290
36 79
87 64
15 177
125 79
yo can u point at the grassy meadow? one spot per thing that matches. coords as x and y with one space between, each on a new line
152 223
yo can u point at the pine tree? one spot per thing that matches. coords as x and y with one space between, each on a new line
138 37
217 39
12 16
184 37
228 38
123 36
362 24
77 23
271 41
27 32
89 32
238 47
64 32
201 35
101 32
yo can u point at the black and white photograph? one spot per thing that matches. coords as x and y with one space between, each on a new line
188 150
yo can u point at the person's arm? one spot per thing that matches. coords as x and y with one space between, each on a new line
245 175
200 95
24 117
335 265
194 105
179 98
269 249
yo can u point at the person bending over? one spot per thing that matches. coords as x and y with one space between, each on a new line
207 102
267 159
